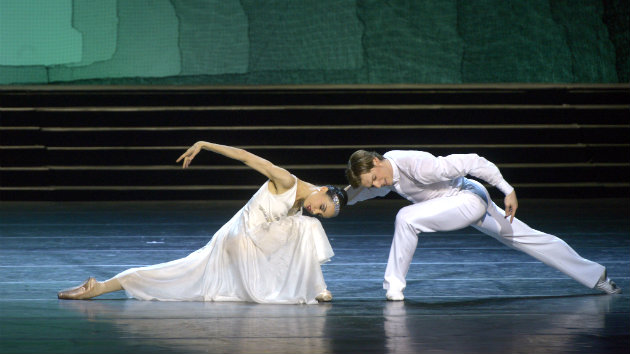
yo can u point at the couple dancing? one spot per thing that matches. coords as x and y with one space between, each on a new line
270 253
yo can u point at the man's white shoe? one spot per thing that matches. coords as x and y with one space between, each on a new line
606 285
392 295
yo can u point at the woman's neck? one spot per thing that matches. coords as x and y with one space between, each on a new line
304 189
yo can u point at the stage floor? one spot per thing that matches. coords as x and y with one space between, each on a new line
466 292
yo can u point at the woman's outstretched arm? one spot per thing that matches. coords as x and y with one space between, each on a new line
280 177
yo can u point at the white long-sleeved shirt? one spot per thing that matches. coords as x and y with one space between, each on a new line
420 176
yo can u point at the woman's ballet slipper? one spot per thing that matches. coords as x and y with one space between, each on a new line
324 296
80 292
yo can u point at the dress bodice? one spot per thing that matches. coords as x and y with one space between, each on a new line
266 207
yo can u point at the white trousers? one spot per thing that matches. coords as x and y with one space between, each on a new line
468 209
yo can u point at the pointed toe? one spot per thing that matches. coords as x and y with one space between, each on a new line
78 292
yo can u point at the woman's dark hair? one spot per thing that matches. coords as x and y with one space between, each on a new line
339 197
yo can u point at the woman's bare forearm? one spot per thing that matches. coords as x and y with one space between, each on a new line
263 166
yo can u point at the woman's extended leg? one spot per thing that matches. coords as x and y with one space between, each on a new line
89 289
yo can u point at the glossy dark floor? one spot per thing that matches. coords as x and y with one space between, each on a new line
466 293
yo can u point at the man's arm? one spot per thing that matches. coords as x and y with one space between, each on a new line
428 169
361 193
477 166
511 204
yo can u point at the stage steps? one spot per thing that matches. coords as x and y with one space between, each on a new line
121 143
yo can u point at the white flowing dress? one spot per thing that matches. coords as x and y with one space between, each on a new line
265 253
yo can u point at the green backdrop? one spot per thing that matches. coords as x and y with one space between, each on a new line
313 41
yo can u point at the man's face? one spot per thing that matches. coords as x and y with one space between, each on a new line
380 175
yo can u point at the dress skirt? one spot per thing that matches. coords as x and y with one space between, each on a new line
275 262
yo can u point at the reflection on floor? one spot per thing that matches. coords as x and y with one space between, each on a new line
466 294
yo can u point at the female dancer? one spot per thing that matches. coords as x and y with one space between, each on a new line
267 253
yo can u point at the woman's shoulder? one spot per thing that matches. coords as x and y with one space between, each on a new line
281 188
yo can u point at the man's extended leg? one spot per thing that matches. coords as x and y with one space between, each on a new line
547 248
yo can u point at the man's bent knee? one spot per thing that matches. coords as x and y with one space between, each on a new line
405 220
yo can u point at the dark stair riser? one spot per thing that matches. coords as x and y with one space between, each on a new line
231 177
291 156
315 96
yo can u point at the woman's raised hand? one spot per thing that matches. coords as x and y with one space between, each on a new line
189 155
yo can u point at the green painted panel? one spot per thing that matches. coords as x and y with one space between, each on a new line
38 32
412 41
592 52
303 35
147 45
98 22
513 41
227 42
213 37
23 75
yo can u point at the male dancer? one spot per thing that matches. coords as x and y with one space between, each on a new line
445 200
